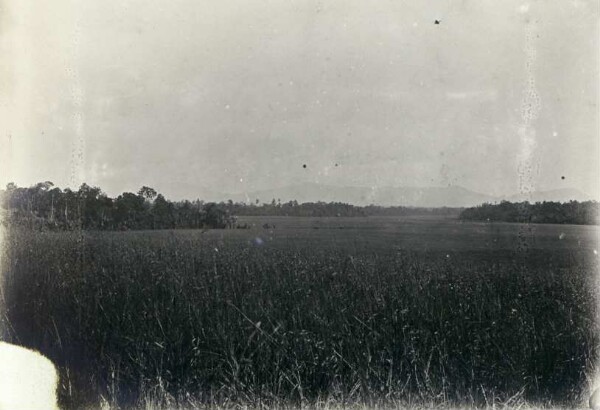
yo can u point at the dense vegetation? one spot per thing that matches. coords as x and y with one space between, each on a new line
44 206
184 319
323 209
573 212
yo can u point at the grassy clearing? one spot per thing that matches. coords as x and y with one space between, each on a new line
183 319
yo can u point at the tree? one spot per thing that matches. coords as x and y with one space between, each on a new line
162 213
147 193
129 211
215 217
90 206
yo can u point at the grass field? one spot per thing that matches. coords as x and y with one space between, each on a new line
322 312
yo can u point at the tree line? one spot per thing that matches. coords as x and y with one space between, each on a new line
573 212
46 206
335 209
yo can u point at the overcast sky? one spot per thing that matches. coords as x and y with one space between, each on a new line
192 96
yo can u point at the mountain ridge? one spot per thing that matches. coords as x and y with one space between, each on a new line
450 196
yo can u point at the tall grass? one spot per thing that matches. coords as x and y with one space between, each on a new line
176 318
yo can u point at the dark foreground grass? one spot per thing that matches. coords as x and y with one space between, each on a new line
171 319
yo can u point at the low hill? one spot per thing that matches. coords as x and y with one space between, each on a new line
426 197
452 196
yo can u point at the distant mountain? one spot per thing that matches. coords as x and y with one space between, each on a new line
181 191
452 196
555 195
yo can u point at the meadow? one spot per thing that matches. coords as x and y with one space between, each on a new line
323 312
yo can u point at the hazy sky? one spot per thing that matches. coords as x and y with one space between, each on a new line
192 96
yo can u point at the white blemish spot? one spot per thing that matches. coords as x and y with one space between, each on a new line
595 400
28 380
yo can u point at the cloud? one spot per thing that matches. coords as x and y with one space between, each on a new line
199 94
524 8
487 95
